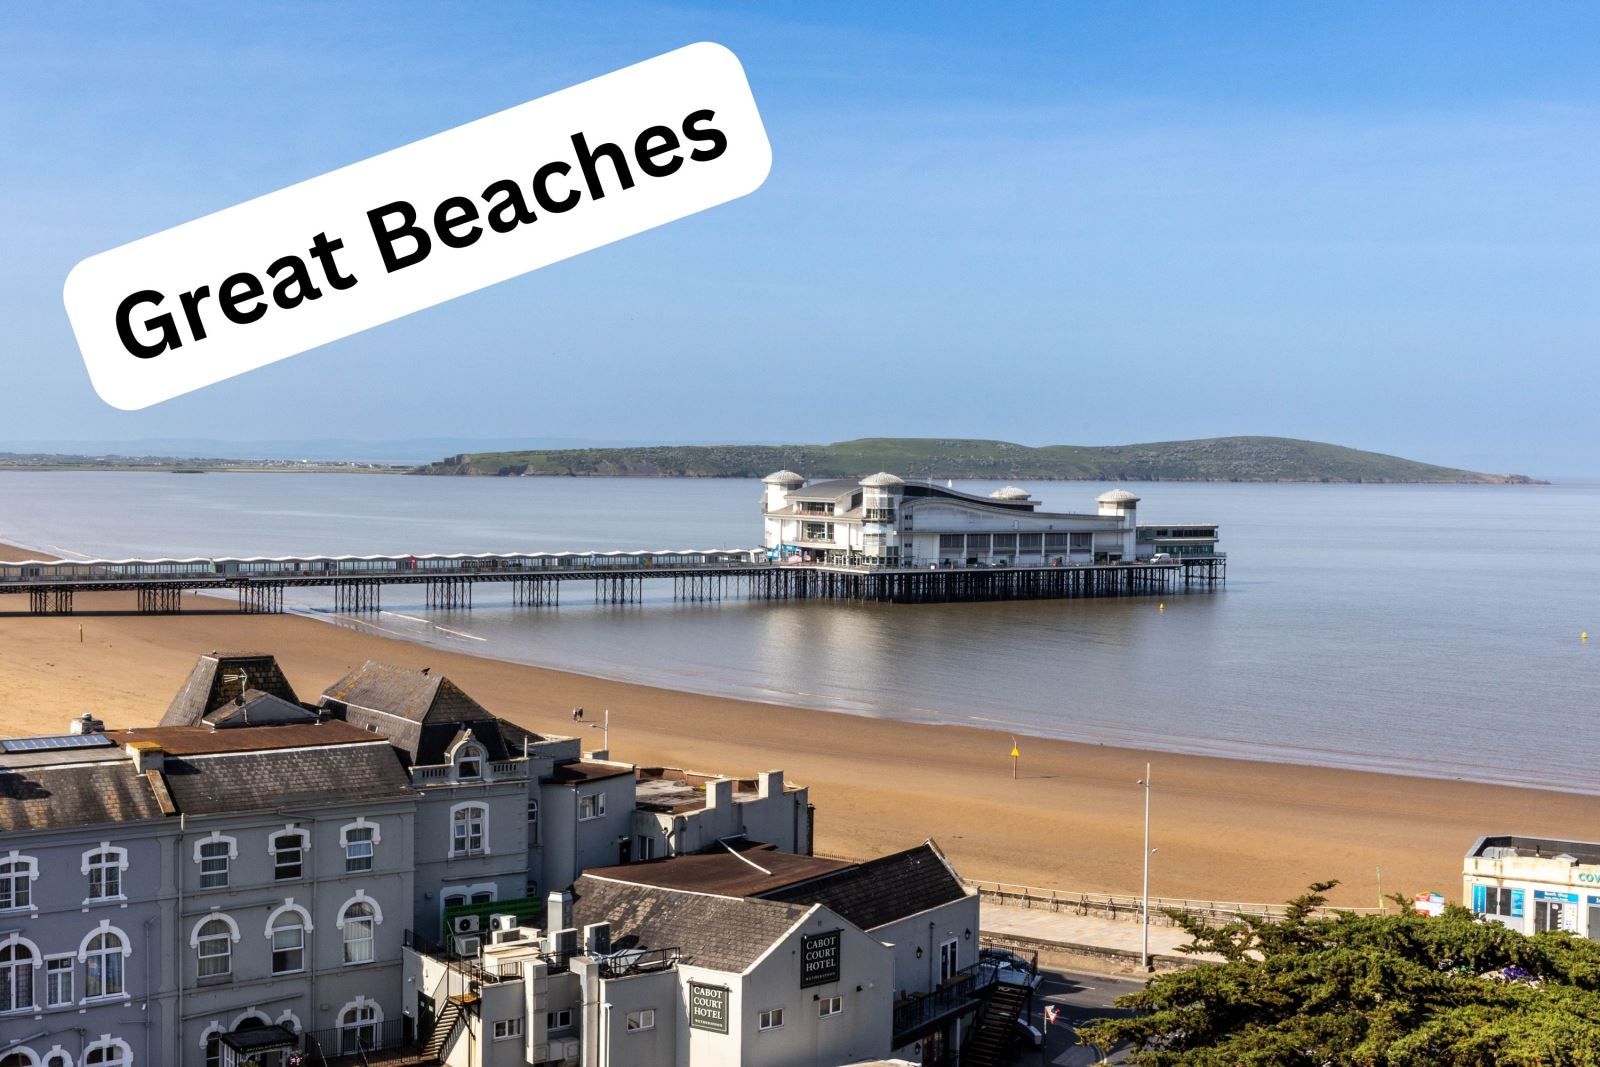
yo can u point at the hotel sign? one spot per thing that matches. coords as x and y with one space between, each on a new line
819 959
708 1007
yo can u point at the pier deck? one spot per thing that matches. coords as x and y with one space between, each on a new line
615 578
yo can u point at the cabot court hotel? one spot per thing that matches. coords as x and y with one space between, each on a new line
391 873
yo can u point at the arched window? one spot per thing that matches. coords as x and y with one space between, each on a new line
57 1058
288 854
17 962
103 954
288 933
358 1027
104 867
108 1053
358 920
468 823
20 1057
214 947
469 763
16 881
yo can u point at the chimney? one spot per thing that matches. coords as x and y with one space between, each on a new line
558 909
597 939
87 724
769 784
147 755
719 793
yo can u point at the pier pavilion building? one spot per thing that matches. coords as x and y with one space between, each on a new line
884 520
1534 884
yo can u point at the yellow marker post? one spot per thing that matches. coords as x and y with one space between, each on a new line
1015 754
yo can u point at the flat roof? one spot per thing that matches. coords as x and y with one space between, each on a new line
200 740
721 873
583 770
1507 846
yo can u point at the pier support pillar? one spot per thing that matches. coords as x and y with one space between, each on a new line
160 600
261 598
450 593
50 601
355 596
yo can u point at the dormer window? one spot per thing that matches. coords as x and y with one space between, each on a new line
469 763
469 768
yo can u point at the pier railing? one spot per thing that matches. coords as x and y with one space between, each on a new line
1129 905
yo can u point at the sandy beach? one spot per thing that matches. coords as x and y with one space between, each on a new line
1225 829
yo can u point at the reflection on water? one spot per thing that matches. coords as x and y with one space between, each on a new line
1431 629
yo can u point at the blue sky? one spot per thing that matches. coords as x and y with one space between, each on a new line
1369 224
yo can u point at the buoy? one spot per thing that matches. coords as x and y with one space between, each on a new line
1163 607
1584 636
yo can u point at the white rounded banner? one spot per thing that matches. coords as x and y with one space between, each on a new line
417 226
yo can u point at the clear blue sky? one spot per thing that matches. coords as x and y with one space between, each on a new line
1080 223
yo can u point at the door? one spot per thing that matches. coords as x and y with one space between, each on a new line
947 961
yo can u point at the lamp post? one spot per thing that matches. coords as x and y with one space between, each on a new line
604 726
1144 934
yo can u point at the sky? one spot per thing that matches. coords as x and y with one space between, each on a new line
1058 223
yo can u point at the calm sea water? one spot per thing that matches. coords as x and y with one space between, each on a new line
1424 629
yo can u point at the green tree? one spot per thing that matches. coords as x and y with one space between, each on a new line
1400 990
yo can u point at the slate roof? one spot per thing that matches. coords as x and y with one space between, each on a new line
66 795
883 890
256 708
242 781
420 713
722 933
216 680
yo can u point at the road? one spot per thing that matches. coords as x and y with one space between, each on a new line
1080 997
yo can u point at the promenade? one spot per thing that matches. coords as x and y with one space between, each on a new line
1080 936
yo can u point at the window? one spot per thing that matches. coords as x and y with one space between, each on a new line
288 943
102 966
558 1020
533 822
213 1051
466 834
58 1059
947 960
358 1027
214 947
104 868
771 1019
108 1054
358 850
592 807
828 1007
16 975
644 1019
469 768
16 882
647 847
214 857
288 854
358 925
1497 900
505 1028
483 896
58 981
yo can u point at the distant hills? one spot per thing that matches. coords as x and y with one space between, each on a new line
1215 459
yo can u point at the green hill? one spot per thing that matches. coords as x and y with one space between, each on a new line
1216 459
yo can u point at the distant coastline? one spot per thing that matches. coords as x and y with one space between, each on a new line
1217 459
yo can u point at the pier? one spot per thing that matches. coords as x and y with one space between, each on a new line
538 579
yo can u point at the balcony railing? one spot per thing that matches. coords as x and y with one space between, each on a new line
339 1046
918 1013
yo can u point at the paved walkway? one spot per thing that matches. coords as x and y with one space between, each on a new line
1065 927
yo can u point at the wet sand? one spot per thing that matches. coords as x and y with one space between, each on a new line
1225 829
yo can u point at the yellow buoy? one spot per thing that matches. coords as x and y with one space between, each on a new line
1161 606
1584 636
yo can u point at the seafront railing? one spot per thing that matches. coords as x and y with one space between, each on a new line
1129 905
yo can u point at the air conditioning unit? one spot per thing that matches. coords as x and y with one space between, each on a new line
501 923
466 924
503 937
468 946
570 1050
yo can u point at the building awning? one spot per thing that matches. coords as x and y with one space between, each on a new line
247 1044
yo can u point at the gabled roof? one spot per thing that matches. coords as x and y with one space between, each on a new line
256 708
721 933
883 890
421 713
761 870
219 678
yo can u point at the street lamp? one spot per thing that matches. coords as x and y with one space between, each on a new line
1144 935
604 725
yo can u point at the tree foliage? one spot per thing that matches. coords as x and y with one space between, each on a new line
1391 990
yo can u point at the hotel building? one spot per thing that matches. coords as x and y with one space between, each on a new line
885 521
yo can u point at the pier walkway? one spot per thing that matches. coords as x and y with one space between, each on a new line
537 579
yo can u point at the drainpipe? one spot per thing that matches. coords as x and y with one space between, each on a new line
149 950
177 937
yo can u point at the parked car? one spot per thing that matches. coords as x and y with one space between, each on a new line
1161 557
996 954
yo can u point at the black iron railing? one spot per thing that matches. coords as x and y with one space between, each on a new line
341 1045
958 993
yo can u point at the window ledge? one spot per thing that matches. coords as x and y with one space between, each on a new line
109 998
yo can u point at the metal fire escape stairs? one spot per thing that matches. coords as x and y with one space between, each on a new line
990 1036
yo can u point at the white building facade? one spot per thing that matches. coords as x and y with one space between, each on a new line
884 521
1533 884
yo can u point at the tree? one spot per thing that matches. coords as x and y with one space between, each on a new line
1400 990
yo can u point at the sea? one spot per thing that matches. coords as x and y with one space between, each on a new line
1426 630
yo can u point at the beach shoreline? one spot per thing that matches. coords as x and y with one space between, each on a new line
1227 829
